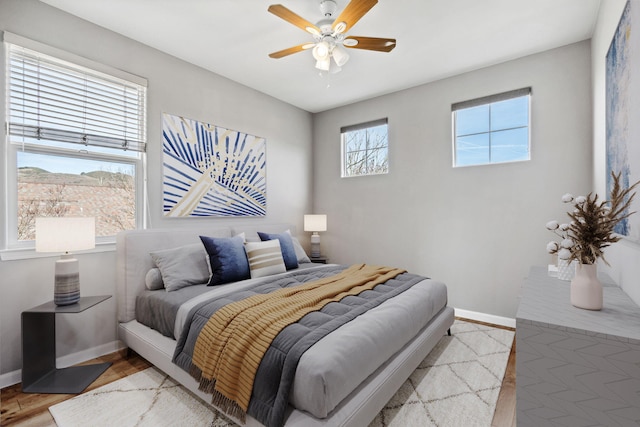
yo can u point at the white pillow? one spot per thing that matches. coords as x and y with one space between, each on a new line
265 258
182 266
153 279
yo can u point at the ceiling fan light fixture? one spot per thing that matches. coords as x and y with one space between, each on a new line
321 51
334 68
324 64
340 55
329 33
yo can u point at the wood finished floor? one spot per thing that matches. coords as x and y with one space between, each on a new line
31 410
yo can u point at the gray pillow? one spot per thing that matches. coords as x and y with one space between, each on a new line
300 253
153 279
182 266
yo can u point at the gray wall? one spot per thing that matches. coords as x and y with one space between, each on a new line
478 229
174 87
624 256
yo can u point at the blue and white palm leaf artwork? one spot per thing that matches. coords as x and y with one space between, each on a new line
212 171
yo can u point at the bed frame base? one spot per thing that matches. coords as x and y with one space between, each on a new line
358 409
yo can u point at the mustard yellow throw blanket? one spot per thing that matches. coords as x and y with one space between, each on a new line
231 345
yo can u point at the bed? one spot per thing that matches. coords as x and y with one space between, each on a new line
329 387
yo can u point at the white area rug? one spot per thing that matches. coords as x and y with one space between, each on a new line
456 385
147 398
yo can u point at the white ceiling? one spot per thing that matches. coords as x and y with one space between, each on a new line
435 39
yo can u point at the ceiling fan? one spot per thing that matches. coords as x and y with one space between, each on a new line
329 33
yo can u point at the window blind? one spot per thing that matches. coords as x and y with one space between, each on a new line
491 98
366 125
51 99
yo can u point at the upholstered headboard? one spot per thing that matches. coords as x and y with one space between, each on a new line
133 260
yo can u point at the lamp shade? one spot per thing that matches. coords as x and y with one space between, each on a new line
323 64
321 51
315 223
59 234
334 68
340 55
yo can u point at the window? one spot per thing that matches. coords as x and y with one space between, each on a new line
365 149
493 129
75 143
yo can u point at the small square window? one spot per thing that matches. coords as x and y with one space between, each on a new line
365 149
493 129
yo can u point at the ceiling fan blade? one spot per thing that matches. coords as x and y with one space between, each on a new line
351 14
370 43
291 50
282 12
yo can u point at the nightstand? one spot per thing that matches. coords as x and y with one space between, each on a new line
319 259
39 373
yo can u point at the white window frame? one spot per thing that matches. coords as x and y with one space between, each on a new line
13 145
343 151
489 100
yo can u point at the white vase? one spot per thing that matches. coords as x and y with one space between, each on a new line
586 289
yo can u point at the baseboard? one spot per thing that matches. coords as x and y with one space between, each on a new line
10 378
14 377
487 318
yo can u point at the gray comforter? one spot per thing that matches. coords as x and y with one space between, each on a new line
276 373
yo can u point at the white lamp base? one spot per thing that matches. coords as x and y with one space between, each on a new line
315 245
66 289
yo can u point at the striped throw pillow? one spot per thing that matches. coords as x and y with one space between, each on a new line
265 258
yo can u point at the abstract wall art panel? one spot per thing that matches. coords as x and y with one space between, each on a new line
212 171
623 111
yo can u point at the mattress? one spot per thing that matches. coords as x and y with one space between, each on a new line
357 348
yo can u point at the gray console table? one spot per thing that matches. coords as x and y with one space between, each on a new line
574 366
39 373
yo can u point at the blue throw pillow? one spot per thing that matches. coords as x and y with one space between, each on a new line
227 258
286 246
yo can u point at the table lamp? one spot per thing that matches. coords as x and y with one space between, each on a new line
58 234
315 223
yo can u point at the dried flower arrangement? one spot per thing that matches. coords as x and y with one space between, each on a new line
592 224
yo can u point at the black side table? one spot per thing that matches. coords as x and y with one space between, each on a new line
319 259
39 373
